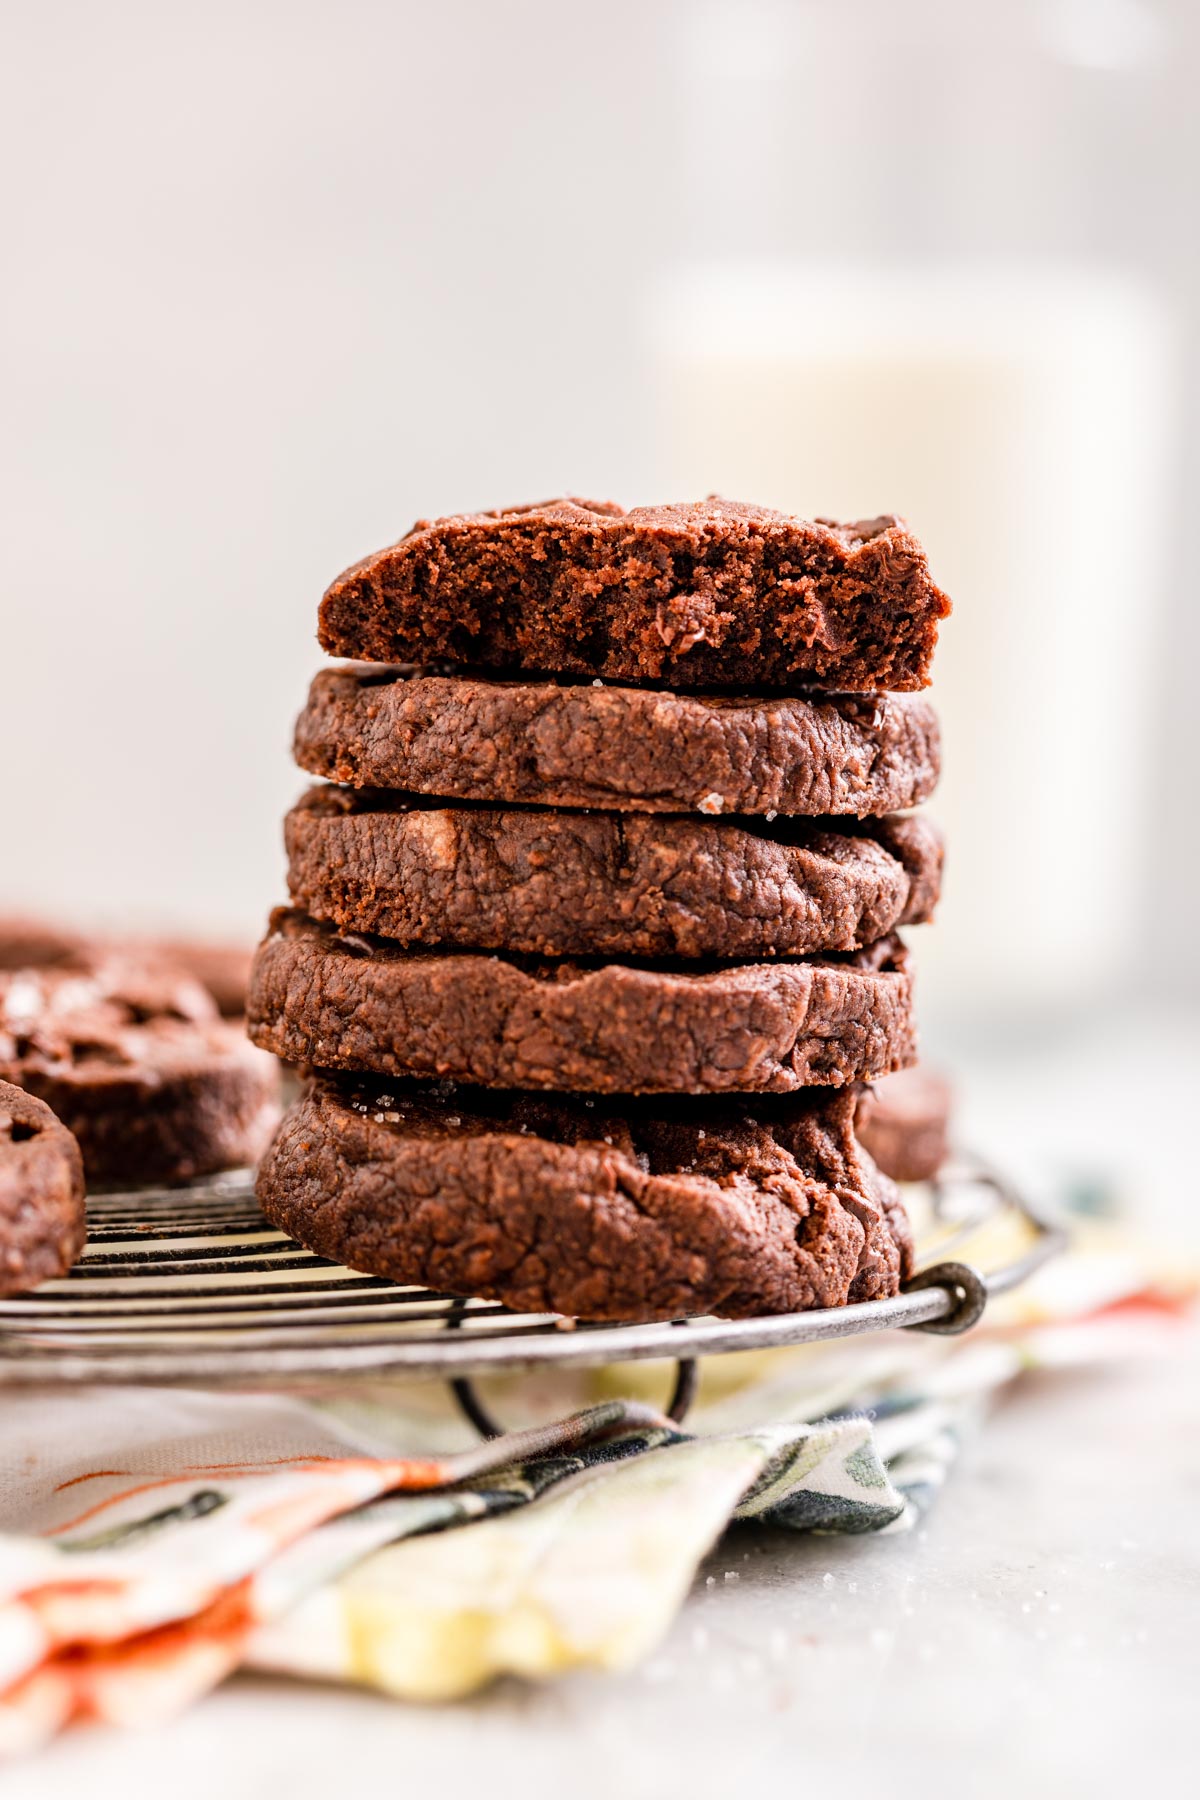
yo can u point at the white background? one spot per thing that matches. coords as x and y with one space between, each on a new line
281 278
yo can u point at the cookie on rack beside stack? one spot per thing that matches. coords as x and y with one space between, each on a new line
130 1053
593 936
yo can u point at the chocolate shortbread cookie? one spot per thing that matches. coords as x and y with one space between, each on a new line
137 1065
33 943
222 969
918 846
556 883
716 594
642 749
360 1003
632 1210
42 1228
904 1123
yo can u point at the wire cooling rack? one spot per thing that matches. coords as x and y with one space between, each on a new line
191 1286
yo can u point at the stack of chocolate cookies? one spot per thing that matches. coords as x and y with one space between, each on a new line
593 937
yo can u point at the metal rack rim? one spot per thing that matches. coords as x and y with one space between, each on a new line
125 1294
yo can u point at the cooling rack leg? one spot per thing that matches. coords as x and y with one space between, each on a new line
687 1379
687 1376
470 1405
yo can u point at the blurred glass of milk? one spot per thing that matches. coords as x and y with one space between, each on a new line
1016 415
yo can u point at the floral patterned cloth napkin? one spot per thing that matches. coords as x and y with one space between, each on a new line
151 1542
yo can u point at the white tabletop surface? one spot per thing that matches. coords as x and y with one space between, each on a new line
1037 1636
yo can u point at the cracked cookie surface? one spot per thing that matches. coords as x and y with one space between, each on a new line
596 1210
360 1003
554 883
